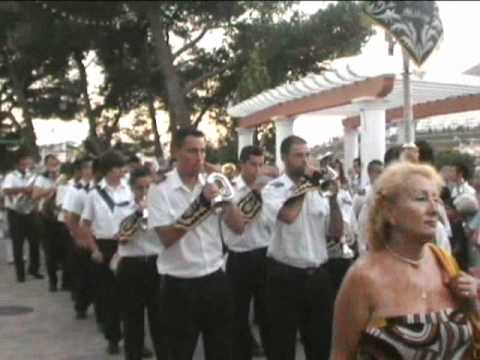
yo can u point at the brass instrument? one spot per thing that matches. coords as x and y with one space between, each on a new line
50 209
133 223
328 175
229 170
226 189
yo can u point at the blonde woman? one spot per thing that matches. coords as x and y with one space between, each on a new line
401 301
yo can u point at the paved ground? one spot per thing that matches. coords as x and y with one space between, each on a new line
49 332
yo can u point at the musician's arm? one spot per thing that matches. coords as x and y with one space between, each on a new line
234 218
40 192
15 191
169 235
290 211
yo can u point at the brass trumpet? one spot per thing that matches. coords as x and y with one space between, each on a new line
226 189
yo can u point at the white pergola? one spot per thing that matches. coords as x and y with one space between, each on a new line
365 101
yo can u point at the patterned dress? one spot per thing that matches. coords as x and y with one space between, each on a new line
442 335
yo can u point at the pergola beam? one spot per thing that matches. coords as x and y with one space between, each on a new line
427 109
375 87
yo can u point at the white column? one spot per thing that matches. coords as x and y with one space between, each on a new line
283 129
245 138
372 133
350 146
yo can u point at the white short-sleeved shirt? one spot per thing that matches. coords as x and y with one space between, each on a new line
199 251
257 233
76 196
463 188
345 203
106 221
16 179
301 244
43 182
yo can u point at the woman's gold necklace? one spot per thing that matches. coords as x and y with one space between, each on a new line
414 263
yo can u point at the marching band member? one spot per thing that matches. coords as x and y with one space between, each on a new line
299 290
246 263
105 207
196 292
137 275
82 267
18 188
44 191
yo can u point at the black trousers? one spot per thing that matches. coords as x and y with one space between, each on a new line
84 284
23 227
197 306
299 300
247 273
56 244
107 292
139 291
337 268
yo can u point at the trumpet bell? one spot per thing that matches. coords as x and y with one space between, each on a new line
226 192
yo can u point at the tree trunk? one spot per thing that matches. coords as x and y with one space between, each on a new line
156 141
93 139
178 110
28 131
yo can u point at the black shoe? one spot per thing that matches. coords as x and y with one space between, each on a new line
81 315
52 288
113 348
37 276
146 353
21 279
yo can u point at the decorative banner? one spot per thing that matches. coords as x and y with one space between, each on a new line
416 25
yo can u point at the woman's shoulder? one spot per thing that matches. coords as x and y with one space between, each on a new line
366 271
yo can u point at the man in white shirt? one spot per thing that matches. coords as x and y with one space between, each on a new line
362 203
44 192
299 289
17 187
83 285
197 297
246 262
106 206
461 185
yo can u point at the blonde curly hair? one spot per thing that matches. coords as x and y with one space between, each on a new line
392 182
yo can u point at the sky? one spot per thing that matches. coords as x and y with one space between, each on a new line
457 52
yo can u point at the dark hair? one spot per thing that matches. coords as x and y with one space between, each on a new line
132 158
392 154
425 152
288 142
357 160
48 157
462 169
111 159
250 150
66 168
373 163
139 173
75 165
182 134
85 161
22 154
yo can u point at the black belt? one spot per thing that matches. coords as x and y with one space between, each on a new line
140 259
296 270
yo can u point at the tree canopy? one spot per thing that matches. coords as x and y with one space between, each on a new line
190 59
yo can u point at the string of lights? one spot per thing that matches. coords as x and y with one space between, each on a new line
114 22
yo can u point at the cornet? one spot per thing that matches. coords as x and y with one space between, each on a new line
226 192
133 223
322 177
